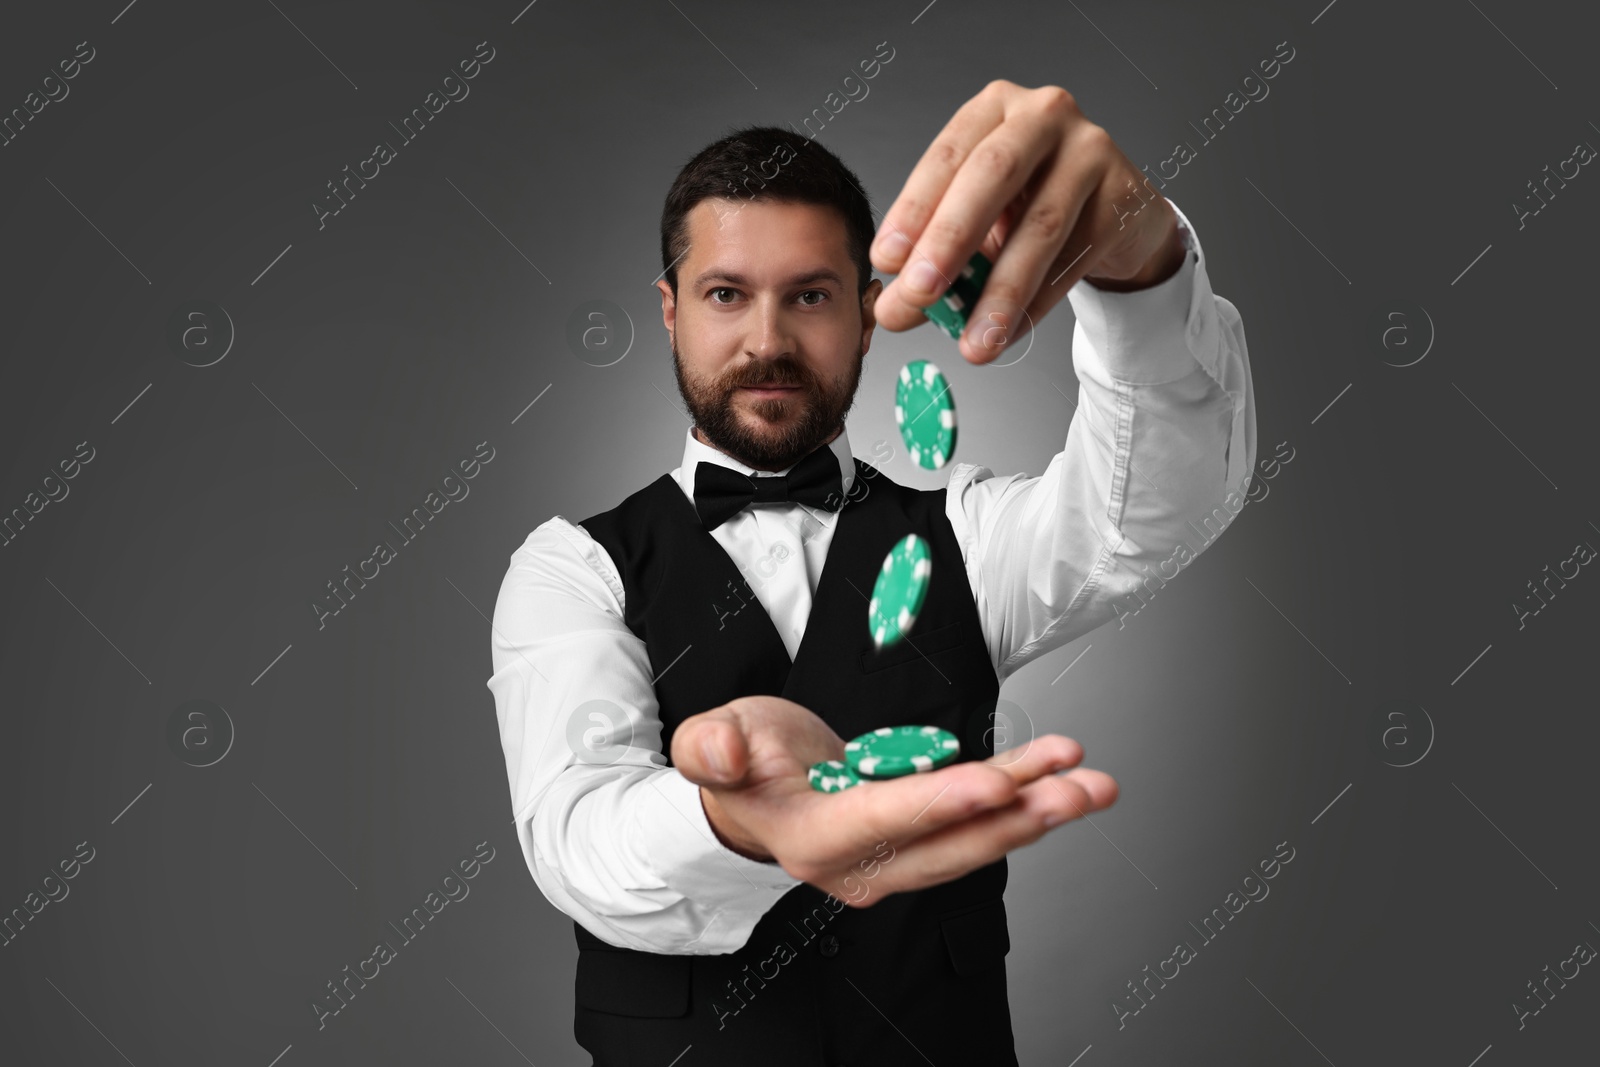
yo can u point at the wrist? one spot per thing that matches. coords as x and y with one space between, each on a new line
1162 264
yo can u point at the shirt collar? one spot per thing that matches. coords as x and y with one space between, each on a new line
695 453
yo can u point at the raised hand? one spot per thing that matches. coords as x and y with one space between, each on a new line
1021 175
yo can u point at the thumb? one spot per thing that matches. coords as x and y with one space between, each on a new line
710 749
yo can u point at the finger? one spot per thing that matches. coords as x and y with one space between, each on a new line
990 176
1039 807
710 748
1027 261
1079 256
906 218
1041 755
1101 787
844 827
902 810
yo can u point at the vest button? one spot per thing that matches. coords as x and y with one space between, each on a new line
828 946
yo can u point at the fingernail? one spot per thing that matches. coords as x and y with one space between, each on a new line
988 330
893 245
924 277
1054 819
712 754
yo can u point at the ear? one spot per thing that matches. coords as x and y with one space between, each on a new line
869 317
669 307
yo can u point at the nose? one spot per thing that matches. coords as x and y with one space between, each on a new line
770 335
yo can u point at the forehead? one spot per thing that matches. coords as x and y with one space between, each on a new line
764 240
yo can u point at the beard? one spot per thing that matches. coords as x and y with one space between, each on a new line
790 427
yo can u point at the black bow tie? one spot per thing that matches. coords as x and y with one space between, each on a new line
721 492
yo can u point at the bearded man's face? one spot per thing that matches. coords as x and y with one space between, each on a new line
768 335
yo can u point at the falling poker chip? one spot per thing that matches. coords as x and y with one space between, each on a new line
900 589
895 751
926 414
832 776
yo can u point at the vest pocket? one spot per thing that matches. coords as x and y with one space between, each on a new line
640 984
904 651
976 936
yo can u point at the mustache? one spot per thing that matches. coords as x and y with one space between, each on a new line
772 375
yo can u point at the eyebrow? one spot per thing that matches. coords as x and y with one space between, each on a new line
823 274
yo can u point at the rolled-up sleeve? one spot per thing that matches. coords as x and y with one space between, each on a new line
614 838
1161 443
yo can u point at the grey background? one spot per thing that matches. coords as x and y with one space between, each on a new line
1244 707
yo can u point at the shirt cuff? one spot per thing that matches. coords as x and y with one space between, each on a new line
1150 335
677 837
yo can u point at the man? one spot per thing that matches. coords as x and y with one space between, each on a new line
725 912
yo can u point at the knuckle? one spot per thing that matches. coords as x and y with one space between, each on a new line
943 230
1048 220
912 216
1095 137
945 154
1056 100
1075 799
992 792
999 159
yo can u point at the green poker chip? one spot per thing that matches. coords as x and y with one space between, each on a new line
947 318
893 751
926 414
952 310
831 776
900 589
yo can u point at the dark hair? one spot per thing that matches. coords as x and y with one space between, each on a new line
767 163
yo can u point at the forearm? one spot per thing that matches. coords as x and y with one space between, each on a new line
1169 428
627 853
1163 430
612 836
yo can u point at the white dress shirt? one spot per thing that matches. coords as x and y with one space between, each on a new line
620 842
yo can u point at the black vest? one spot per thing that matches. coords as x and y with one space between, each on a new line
916 976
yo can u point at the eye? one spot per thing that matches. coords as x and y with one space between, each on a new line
719 289
821 293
